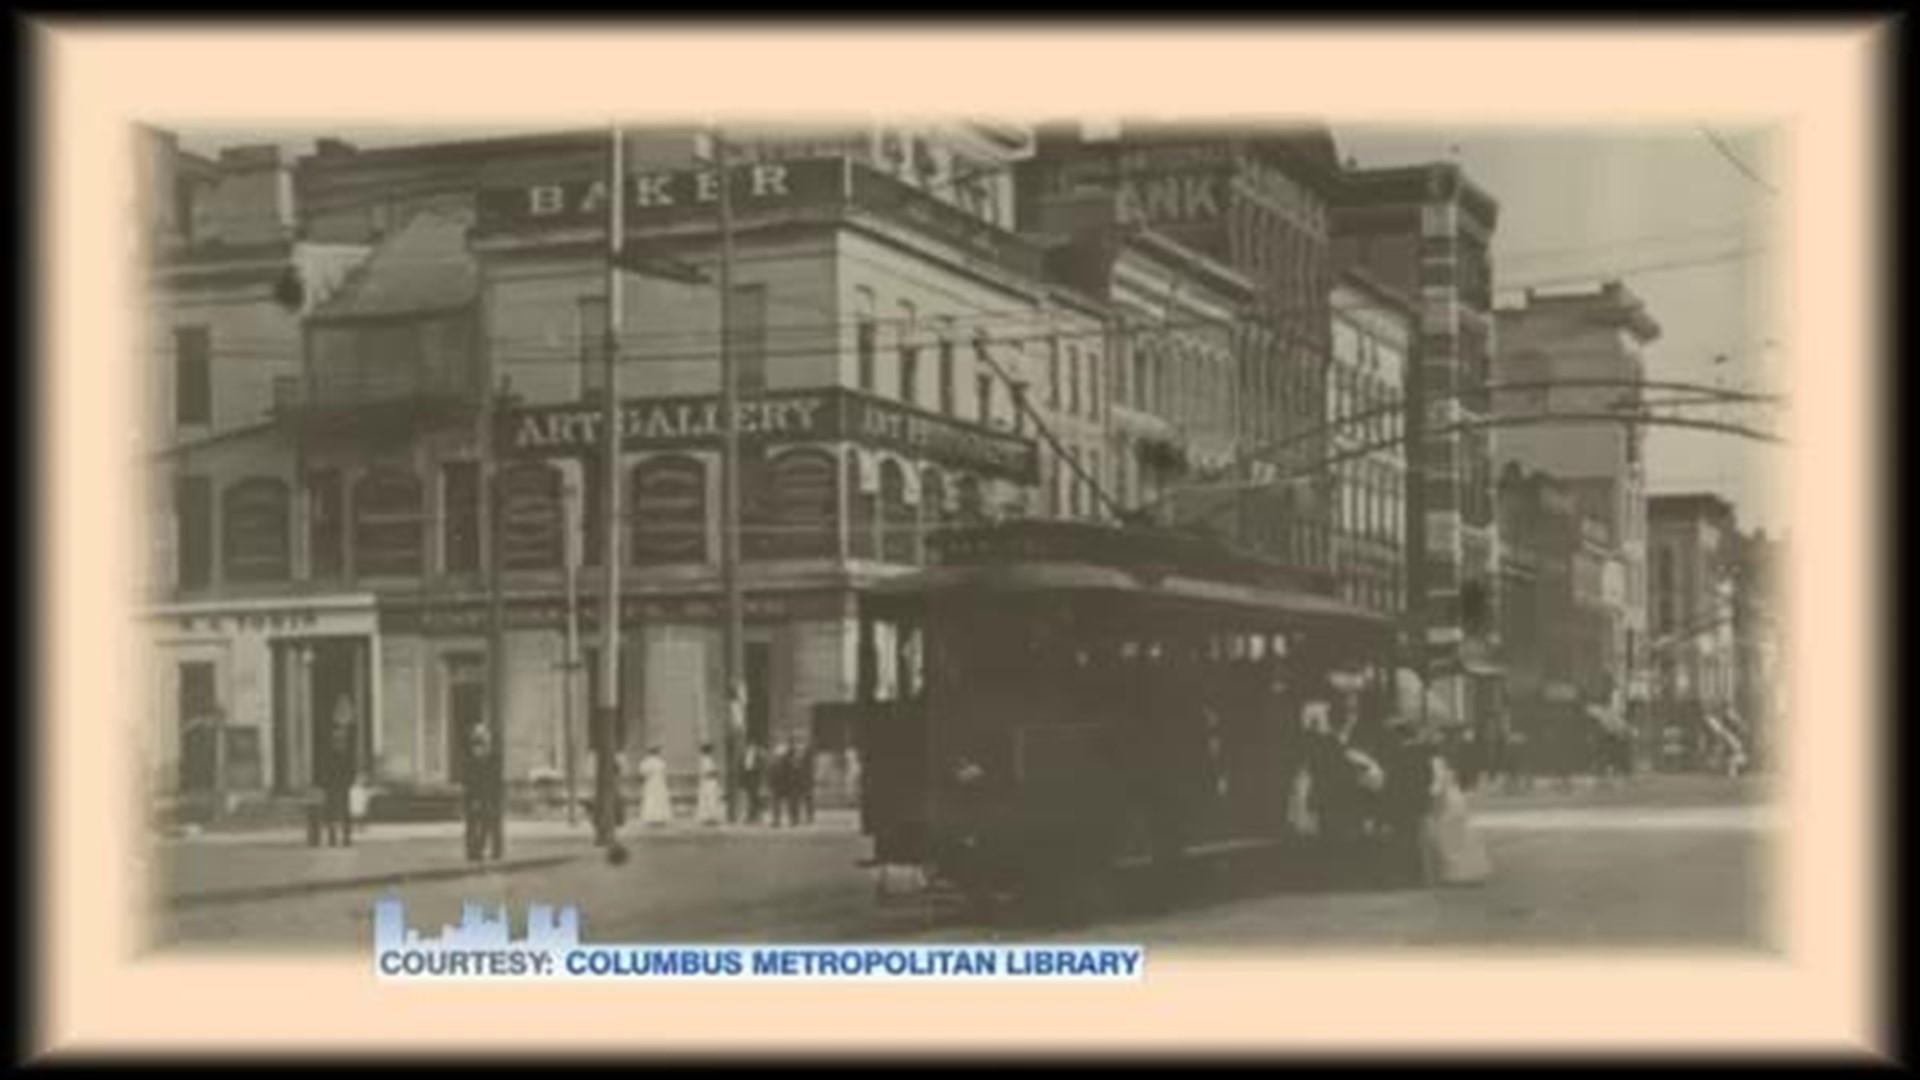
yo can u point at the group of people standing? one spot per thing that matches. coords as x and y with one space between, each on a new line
1392 784
778 783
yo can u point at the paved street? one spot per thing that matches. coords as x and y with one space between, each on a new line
1661 863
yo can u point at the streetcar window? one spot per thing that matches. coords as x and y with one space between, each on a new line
1257 646
1279 645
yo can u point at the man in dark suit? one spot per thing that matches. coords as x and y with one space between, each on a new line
481 791
337 774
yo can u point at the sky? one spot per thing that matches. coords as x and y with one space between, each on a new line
1683 216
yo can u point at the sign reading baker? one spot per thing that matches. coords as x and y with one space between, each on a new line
653 196
783 416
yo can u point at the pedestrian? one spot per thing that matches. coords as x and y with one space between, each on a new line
1452 852
780 781
707 808
656 806
804 779
1407 797
337 773
480 790
753 769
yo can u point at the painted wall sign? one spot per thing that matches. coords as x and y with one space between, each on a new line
652 198
832 414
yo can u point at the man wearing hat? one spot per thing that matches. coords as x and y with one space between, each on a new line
1408 795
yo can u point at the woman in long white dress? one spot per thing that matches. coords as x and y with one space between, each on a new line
707 808
1454 852
656 808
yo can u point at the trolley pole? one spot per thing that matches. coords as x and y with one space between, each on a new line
732 678
607 700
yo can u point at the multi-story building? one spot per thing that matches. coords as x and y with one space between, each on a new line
1552 619
1254 199
1695 547
1580 356
1366 414
884 328
1425 231
1175 319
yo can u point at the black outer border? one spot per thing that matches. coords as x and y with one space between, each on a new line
1894 87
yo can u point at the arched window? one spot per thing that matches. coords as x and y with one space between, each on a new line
668 506
861 511
388 524
532 521
933 500
798 509
973 500
899 522
257 541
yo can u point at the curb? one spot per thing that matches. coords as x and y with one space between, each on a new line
402 877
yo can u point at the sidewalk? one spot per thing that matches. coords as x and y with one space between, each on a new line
265 864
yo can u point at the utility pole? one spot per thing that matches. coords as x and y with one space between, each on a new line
496 718
570 662
733 676
607 703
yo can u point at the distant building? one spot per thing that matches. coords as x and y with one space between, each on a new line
1696 558
1373 330
1582 353
1552 620
1426 231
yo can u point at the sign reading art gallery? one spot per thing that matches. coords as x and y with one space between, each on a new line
823 415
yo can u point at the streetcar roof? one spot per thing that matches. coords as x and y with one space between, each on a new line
1086 578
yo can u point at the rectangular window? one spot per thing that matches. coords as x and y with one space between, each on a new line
590 330
947 405
192 376
983 395
197 701
747 336
866 348
909 387
910 374
1053 374
1073 380
327 523
193 517
460 488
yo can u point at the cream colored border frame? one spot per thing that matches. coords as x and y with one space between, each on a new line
1817 82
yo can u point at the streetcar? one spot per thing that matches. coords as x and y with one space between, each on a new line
1049 700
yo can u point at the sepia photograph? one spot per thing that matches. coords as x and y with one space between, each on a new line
1368 521
1211 532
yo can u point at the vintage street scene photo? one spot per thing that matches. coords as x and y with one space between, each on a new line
1252 534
